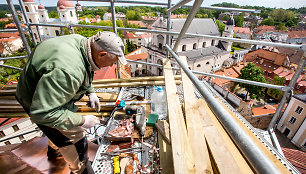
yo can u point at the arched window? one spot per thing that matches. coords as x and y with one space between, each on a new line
199 65
184 48
204 44
212 42
27 9
194 46
207 63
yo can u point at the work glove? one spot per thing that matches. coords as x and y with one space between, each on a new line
94 101
90 121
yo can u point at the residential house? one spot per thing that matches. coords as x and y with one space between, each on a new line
267 60
138 69
110 72
138 23
108 16
10 43
97 19
288 73
139 39
17 126
293 123
242 32
270 33
297 37
205 55
262 116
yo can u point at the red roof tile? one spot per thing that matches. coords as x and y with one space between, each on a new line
297 34
296 158
106 73
140 56
265 110
242 30
130 36
7 35
9 121
229 72
12 25
139 23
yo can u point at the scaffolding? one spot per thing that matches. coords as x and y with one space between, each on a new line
258 159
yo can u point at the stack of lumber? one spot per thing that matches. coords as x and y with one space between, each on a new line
9 107
194 141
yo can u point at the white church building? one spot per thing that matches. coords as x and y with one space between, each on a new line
203 54
38 14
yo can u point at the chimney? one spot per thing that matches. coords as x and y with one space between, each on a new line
261 61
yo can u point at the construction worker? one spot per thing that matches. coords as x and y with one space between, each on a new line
58 73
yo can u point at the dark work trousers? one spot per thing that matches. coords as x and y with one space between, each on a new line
73 146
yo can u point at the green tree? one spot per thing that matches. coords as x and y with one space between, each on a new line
254 73
268 21
239 20
275 93
129 47
281 26
132 15
53 14
220 25
2 14
225 17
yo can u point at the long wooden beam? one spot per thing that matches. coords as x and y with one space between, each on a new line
219 143
126 80
183 161
194 128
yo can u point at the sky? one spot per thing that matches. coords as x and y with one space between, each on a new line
266 3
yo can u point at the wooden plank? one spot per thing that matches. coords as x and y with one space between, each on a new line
259 144
165 155
5 102
133 84
195 130
163 129
210 121
107 97
134 79
8 92
183 160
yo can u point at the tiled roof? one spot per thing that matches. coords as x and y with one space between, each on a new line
8 35
140 23
9 121
178 16
106 73
229 72
111 72
296 158
266 109
297 34
130 36
266 65
12 25
264 27
137 56
242 30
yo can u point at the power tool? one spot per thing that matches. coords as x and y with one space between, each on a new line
140 117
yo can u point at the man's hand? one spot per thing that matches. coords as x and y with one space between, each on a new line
94 101
90 121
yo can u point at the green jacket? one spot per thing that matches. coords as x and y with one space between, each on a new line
56 75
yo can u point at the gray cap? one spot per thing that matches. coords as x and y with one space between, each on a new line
111 43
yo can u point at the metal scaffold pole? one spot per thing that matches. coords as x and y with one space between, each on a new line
255 156
17 22
284 99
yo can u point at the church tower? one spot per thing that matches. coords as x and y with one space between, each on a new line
228 32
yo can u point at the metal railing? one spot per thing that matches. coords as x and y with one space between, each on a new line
258 160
